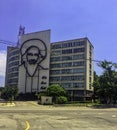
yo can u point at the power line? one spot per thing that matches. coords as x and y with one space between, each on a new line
7 43
98 61
14 45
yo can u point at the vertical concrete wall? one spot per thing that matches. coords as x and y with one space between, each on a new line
89 62
38 81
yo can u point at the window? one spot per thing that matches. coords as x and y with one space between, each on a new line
52 79
12 69
55 65
79 78
55 72
13 74
13 53
90 66
90 87
90 79
57 52
64 45
55 59
76 57
57 46
14 58
66 58
78 70
66 78
76 50
16 63
69 64
90 73
71 78
80 63
68 51
66 71
14 80
66 85
80 43
78 85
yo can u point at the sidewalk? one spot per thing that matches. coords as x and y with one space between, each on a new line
33 105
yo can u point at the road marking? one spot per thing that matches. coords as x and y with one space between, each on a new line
113 115
27 125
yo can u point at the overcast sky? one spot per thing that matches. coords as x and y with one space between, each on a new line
67 19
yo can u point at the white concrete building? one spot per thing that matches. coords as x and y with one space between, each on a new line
72 66
35 63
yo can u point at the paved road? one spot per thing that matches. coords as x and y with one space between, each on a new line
30 116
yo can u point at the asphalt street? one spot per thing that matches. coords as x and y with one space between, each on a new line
30 116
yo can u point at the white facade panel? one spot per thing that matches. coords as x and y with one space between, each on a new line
34 62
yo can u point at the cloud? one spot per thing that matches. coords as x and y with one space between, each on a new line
2 63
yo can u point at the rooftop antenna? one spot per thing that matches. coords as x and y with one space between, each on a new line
20 33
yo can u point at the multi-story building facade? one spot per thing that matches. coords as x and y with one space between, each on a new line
12 66
72 66
68 63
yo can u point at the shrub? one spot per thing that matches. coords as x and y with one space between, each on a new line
55 90
61 100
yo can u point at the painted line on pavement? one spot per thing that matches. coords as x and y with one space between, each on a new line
113 115
27 125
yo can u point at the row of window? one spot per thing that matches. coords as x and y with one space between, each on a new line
68 71
73 85
76 92
66 58
76 50
14 58
90 79
16 63
14 53
67 78
69 64
68 51
68 44
13 74
14 80
12 69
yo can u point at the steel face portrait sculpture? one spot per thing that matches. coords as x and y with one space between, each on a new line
33 52
33 64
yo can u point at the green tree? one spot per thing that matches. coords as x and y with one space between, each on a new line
56 90
1 89
96 85
105 85
10 92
